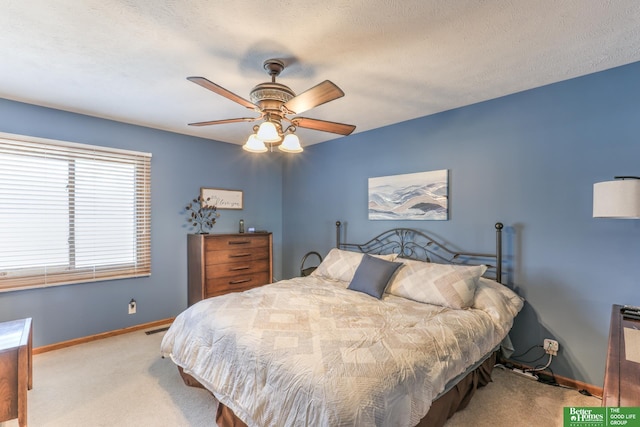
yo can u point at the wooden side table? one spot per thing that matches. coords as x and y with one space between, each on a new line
16 373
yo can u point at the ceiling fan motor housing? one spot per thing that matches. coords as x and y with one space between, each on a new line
270 96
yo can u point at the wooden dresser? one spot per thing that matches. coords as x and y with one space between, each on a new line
222 263
16 371
622 375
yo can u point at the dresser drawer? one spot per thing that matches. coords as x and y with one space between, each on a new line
224 285
235 255
242 268
236 242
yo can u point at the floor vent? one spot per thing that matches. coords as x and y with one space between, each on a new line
155 331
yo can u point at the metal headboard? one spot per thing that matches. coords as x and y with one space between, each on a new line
414 244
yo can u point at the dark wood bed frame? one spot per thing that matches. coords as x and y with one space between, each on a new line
414 244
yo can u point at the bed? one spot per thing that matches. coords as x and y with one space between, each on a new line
398 331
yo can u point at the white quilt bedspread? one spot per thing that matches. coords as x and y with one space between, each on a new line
309 352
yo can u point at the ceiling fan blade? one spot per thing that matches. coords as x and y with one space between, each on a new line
311 98
221 122
207 84
333 127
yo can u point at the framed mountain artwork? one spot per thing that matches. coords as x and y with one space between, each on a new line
412 196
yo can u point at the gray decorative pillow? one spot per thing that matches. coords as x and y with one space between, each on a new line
341 265
452 286
372 276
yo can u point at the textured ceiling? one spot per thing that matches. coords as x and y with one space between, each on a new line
396 60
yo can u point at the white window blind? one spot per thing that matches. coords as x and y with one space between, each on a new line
72 213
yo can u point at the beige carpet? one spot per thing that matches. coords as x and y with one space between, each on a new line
511 400
123 381
120 381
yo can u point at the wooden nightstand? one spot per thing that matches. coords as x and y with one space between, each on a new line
16 374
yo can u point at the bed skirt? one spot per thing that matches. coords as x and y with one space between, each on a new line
443 408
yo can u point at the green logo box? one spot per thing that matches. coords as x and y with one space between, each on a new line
601 417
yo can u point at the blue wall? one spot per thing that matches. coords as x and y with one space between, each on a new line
180 166
528 160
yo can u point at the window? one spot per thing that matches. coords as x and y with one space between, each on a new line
72 213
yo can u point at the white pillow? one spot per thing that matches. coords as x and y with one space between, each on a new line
341 265
490 294
499 302
452 286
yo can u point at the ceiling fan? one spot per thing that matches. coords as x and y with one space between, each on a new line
273 102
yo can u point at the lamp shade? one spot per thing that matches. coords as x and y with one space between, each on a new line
617 199
268 132
254 145
291 144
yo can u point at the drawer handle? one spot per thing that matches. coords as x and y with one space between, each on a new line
236 282
239 242
238 255
246 267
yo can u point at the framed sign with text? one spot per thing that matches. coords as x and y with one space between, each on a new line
221 198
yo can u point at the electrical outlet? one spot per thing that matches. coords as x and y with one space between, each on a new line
551 346
132 306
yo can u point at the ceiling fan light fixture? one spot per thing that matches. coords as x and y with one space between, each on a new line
268 132
291 144
254 145
274 101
